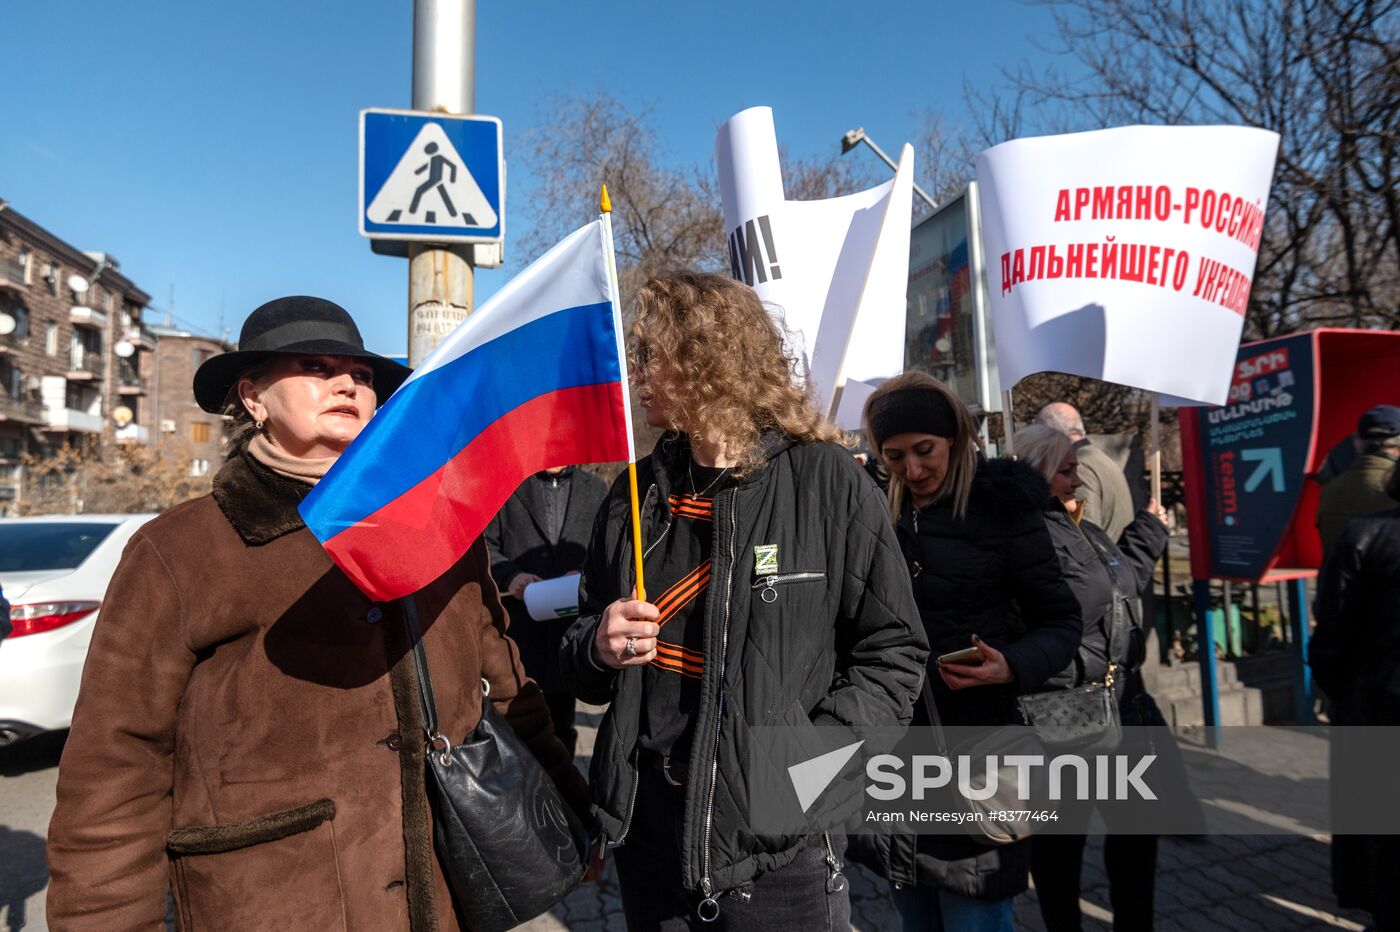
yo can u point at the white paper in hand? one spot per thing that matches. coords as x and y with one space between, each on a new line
552 598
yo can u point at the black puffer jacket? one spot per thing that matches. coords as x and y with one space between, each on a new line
971 576
967 575
519 542
840 643
1355 650
1092 563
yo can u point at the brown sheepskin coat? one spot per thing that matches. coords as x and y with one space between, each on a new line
248 731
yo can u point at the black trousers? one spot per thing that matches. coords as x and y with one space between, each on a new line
1130 862
654 900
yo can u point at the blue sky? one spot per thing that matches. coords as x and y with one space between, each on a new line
213 146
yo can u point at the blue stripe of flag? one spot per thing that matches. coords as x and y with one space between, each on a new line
433 417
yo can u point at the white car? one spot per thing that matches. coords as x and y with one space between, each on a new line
54 571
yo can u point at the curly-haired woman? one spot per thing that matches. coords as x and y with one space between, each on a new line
779 597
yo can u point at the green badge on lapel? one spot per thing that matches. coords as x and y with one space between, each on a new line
765 559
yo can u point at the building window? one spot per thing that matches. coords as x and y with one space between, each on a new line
16 385
199 467
51 272
51 339
199 432
200 355
26 262
21 316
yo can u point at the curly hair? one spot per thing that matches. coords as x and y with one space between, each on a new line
713 357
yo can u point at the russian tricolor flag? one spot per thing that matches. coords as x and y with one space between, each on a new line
536 377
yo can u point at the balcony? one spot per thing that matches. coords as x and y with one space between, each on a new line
8 343
87 317
133 433
11 275
59 419
24 412
129 381
141 338
83 365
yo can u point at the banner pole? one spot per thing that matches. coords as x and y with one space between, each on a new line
1008 425
1154 442
605 207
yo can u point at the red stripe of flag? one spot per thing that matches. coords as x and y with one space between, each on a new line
418 536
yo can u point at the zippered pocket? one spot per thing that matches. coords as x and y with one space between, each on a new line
767 585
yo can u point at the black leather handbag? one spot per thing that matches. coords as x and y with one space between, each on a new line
508 844
1083 719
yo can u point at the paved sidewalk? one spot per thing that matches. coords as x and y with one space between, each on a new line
1251 883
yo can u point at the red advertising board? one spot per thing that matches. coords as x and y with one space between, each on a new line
1251 507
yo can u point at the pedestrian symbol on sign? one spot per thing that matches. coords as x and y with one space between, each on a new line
431 186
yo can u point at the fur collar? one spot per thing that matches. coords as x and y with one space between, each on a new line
1004 487
260 504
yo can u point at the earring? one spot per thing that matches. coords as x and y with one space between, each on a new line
257 425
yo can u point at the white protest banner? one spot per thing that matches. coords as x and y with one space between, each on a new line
1126 254
834 271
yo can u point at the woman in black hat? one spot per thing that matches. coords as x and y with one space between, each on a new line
248 732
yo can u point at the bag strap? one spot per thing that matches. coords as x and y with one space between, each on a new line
420 663
1118 611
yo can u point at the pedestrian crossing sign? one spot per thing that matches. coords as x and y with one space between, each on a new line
431 177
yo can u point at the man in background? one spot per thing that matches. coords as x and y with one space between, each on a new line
1104 492
1361 489
541 533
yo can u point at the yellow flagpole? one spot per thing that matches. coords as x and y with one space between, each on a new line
605 205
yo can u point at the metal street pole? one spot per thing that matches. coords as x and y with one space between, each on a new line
444 80
857 136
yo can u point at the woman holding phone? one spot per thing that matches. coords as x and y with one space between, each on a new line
975 542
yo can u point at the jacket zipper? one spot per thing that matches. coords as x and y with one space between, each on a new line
631 803
767 583
835 880
708 910
637 752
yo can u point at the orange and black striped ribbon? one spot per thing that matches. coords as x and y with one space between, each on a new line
692 506
669 656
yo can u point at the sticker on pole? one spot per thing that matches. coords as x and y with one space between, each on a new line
431 177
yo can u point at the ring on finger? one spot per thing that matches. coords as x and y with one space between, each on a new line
631 647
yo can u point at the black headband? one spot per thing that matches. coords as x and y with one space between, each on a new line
912 411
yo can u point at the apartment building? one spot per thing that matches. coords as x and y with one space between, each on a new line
181 423
73 349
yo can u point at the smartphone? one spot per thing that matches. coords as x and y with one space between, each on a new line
969 656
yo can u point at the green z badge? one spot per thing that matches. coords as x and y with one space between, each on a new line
765 559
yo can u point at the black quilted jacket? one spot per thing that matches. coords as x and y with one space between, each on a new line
993 573
841 643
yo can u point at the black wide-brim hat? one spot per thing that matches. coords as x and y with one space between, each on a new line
298 325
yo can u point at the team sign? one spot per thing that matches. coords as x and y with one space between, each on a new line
1126 254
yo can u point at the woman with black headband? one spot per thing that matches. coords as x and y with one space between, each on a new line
973 536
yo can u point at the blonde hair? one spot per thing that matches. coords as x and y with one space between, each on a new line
962 454
713 356
240 425
1042 448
